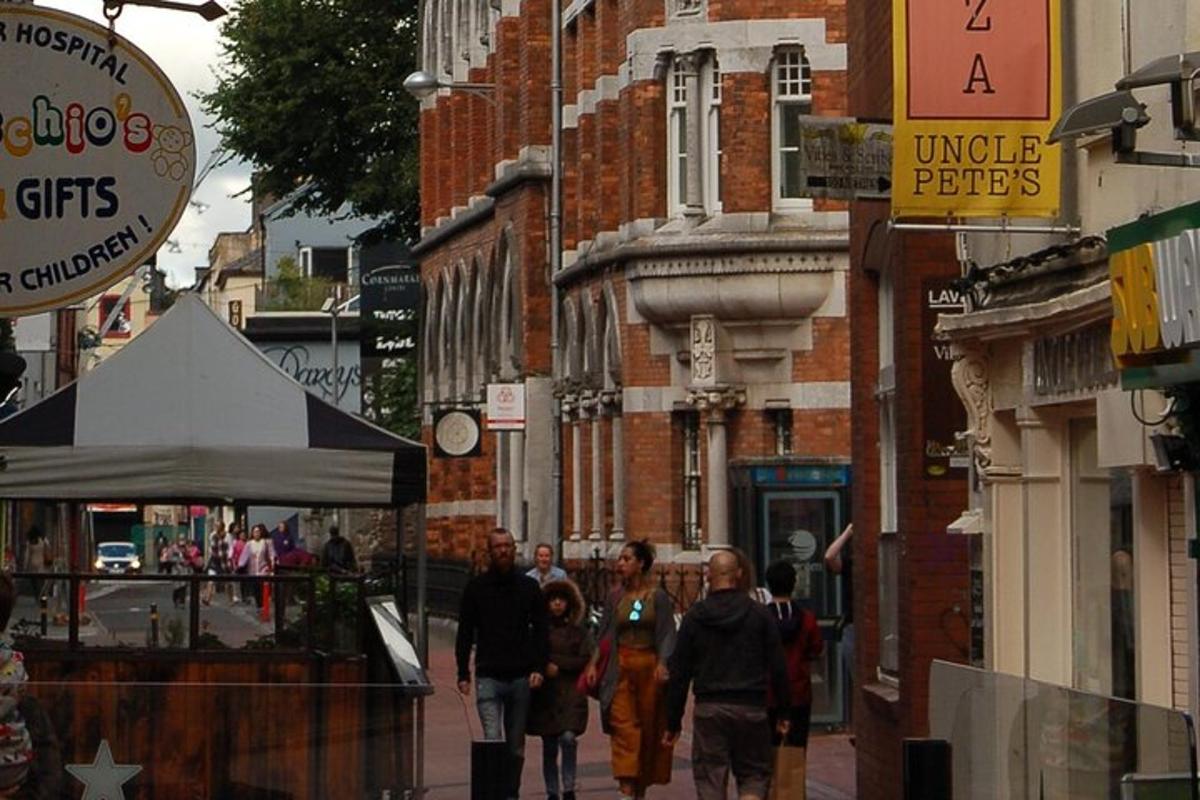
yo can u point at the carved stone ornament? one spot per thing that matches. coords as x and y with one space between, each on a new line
717 402
971 382
686 8
704 351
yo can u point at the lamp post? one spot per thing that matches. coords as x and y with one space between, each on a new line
422 84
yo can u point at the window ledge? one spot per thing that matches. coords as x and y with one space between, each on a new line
883 699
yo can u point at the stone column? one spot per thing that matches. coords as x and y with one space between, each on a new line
597 530
689 65
516 484
714 404
612 400
571 413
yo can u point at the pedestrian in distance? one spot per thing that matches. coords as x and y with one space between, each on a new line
729 652
802 642
337 556
544 569
638 635
502 617
259 559
237 545
839 561
218 561
559 712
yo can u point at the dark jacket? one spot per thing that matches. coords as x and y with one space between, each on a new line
557 707
504 617
729 647
338 555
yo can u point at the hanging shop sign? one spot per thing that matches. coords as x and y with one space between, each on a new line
97 158
389 300
946 454
978 88
843 159
1154 266
506 407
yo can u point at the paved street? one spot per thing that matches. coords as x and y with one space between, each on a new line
830 772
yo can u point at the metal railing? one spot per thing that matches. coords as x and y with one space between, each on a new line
296 612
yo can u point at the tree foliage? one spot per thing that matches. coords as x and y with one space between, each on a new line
311 90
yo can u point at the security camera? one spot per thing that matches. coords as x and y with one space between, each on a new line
1179 72
1119 112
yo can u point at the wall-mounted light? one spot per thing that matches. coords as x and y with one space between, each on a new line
422 84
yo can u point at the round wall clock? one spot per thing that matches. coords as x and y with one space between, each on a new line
456 433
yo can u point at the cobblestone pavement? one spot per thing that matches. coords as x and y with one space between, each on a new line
830 757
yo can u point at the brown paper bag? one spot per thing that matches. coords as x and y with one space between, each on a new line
788 780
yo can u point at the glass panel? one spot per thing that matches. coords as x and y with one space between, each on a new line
793 183
800 525
1102 563
791 133
1024 740
889 603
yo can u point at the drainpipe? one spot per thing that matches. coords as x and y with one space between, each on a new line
556 247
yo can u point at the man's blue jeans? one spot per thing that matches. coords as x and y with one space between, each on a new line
550 747
503 708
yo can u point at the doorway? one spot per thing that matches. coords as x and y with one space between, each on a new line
797 526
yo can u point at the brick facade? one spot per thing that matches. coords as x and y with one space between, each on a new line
933 566
771 280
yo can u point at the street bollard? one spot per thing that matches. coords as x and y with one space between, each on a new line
45 603
154 624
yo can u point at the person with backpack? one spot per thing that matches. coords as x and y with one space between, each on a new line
802 642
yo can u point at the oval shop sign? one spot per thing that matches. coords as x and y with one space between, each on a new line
96 159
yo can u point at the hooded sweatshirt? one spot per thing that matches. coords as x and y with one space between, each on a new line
729 648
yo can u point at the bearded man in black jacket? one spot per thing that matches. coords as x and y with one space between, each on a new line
503 616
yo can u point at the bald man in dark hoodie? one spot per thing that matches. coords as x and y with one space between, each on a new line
729 651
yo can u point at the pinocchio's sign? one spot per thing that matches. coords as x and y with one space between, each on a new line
1154 264
96 159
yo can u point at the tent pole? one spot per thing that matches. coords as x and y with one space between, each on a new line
422 588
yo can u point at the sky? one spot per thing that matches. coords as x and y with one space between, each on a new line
187 49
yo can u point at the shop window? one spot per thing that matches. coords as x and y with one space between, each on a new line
710 81
1103 627
122 326
791 90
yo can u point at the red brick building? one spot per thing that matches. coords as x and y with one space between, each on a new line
912 600
703 376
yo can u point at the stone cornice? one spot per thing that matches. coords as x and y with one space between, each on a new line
702 254
1071 310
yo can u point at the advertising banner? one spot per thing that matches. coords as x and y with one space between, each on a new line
389 301
943 416
96 159
978 87
1155 331
843 159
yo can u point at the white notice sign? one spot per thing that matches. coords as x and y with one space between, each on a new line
506 407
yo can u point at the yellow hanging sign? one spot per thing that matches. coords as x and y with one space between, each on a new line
978 87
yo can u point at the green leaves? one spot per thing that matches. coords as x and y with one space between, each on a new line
310 90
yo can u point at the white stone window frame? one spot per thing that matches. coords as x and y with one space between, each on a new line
677 122
710 85
791 88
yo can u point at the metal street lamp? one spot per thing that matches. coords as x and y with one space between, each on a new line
422 84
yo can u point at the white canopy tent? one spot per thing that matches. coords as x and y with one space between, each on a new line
190 411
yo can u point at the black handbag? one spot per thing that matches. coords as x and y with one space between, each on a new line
489 770
490 764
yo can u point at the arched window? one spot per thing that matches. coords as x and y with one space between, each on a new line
447 325
479 305
510 311
792 98
612 339
465 331
572 356
432 343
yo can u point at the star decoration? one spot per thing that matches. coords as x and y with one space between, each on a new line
102 778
